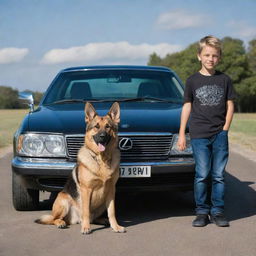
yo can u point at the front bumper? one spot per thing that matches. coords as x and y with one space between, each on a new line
51 174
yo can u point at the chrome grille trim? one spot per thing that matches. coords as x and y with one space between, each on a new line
147 147
73 144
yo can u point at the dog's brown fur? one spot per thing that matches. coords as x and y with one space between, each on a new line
91 188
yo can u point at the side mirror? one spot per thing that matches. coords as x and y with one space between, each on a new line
28 98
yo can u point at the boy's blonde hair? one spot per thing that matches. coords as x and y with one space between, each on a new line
210 41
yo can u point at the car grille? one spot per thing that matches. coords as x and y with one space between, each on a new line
74 143
145 148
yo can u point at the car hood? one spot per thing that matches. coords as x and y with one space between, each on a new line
135 117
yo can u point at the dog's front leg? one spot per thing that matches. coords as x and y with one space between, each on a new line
111 212
85 213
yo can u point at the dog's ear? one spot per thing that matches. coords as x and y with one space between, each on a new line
90 112
114 112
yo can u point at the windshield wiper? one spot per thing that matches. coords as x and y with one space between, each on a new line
64 101
150 99
145 99
67 101
132 99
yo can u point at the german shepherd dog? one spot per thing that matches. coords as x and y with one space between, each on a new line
90 189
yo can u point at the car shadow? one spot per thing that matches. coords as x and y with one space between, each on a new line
136 208
240 202
133 209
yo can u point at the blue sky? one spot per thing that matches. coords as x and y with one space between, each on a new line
40 37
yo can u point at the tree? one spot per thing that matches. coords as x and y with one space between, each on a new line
247 95
37 97
9 98
252 55
234 61
154 60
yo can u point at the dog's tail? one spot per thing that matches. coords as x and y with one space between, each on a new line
46 220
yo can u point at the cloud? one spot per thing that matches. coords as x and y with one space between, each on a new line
12 55
119 52
181 19
242 29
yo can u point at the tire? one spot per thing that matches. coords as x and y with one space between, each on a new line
23 199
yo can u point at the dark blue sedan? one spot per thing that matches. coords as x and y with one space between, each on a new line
47 141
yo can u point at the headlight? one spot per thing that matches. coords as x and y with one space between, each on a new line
41 145
176 151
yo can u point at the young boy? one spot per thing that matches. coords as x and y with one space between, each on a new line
208 103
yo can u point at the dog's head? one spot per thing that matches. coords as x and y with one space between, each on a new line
101 131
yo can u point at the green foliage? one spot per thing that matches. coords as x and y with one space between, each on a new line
9 98
252 55
155 60
235 62
247 94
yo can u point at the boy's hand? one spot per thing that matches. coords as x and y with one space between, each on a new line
181 142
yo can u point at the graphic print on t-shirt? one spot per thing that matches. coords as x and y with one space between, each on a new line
209 95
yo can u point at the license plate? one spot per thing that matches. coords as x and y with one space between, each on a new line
135 171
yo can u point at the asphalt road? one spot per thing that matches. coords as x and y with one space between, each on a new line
157 224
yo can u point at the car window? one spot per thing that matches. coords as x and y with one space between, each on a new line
114 85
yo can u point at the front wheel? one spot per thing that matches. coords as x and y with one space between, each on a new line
23 199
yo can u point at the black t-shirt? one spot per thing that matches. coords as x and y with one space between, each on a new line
208 95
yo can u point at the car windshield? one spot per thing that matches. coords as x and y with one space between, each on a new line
114 85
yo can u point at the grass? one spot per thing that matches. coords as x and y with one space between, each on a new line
242 131
9 122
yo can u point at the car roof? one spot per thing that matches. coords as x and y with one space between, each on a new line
118 67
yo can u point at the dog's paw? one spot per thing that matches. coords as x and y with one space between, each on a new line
86 231
119 229
62 226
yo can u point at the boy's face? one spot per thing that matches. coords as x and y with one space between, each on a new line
209 57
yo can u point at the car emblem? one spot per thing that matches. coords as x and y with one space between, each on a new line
125 125
125 144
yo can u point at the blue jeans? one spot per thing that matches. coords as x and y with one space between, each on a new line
211 156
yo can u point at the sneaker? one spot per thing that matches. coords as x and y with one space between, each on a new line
201 220
220 220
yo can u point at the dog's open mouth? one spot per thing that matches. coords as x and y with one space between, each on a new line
102 140
101 147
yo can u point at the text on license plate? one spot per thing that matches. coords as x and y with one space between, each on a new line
135 171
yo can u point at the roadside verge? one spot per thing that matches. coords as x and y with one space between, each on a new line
5 150
242 150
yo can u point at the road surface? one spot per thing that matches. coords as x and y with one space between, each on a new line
157 224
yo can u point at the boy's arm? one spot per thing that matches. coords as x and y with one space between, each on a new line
186 109
229 115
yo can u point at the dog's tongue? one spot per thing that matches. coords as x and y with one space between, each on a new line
101 147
